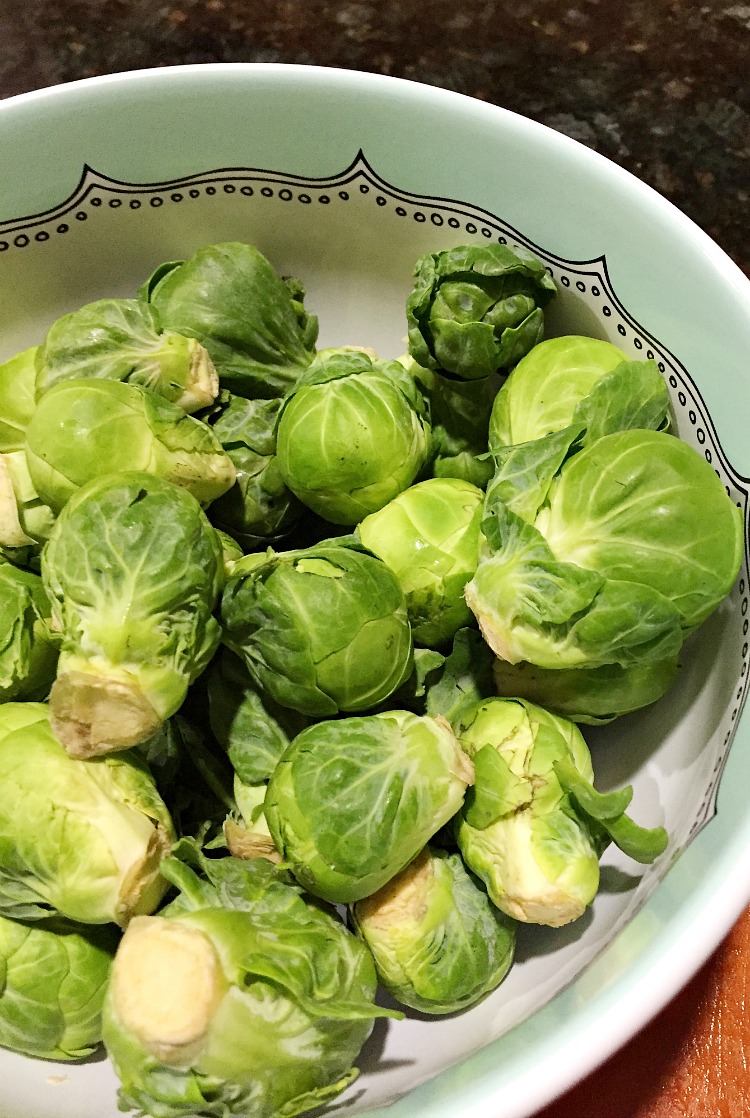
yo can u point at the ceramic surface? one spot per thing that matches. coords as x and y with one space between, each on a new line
344 179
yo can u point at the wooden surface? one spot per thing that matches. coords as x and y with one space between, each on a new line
692 1061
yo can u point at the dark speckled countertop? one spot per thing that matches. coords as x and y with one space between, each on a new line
659 86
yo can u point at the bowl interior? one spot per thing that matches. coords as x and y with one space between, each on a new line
352 237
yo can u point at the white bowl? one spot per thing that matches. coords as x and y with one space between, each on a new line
344 179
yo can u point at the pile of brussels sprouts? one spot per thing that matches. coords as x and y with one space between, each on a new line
293 648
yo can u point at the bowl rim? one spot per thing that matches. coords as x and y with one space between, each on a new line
346 76
673 956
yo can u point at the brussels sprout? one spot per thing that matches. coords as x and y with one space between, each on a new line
123 339
438 942
27 658
589 695
83 429
638 543
351 435
81 838
133 570
241 998
259 509
476 309
562 396
460 415
17 399
429 537
533 827
676 530
353 801
321 630
25 520
53 976
545 389
252 728
251 321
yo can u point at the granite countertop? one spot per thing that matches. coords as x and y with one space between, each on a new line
659 86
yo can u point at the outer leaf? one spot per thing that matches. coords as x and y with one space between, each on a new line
17 399
83 429
524 472
532 607
608 811
28 661
459 415
259 509
589 695
253 325
250 726
123 339
465 680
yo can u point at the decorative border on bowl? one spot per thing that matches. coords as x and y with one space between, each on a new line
589 279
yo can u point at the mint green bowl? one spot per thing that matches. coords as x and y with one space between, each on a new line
343 179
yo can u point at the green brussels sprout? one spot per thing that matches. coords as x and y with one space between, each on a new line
252 728
588 695
259 509
83 429
637 544
429 537
123 339
17 399
477 309
561 397
460 415
80 838
438 942
533 827
25 520
53 977
320 630
353 801
352 434
240 998
28 660
677 531
133 570
251 321
545 389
